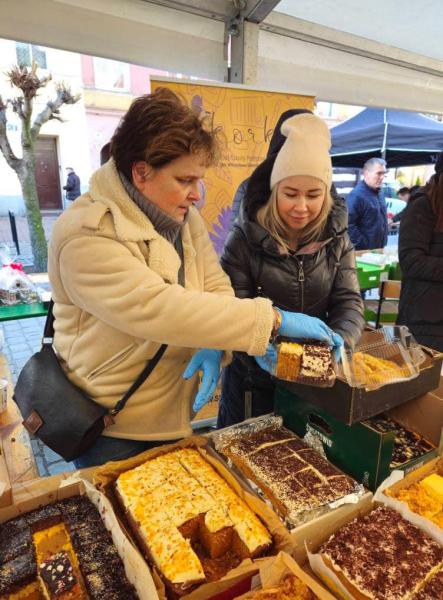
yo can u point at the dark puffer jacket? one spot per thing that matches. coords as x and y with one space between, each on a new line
421 262
319 280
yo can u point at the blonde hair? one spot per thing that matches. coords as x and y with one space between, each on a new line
269 218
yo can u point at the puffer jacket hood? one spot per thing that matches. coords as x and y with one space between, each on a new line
278 139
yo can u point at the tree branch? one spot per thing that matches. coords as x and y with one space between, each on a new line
5 146
51 110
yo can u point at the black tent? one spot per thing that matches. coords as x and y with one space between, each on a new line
402 138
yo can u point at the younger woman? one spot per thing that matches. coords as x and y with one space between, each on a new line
290 244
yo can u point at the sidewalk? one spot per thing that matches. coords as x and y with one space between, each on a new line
25 256
22 338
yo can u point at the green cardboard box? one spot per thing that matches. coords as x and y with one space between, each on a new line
360 450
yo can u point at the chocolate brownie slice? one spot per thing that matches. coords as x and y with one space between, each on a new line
104 584
14 545
18 572
58 574
44 517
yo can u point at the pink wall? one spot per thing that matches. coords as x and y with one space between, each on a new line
101 126
140 83
87 70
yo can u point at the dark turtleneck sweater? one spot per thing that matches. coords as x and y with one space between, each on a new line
166 226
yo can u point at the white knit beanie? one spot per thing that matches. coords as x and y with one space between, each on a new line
305 151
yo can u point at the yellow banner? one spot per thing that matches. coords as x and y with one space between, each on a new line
245 120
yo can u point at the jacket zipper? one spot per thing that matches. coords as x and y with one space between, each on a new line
301 279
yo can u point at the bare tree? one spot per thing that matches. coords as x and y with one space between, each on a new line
26 80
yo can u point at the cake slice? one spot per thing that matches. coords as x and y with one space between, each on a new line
316 364
59 578
289 360
433 484
17 573
433 588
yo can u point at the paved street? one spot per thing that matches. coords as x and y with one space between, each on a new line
23 337
25 255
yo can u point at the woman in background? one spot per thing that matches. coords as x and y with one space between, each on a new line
421 262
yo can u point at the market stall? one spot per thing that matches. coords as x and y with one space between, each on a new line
224 515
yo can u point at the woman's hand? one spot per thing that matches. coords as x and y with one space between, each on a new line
207 361
337 344
300 326
268 361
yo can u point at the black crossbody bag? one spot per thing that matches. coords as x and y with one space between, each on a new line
58 412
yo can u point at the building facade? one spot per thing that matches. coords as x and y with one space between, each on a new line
106 87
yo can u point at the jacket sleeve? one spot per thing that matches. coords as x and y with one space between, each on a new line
69 184
354 202
416 230
103 278
345 311
236 261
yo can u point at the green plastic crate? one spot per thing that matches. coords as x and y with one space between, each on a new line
369 276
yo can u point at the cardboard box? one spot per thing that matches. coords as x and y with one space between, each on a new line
352 405
428 526
324 574
360 450
225 588
5 484
299 533
272 570
40 492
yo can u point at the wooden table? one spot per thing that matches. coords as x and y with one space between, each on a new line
16 444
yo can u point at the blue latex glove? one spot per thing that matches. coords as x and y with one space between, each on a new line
300 326
207 361
337 344
268 361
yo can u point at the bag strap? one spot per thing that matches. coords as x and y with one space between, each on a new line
48 336
151 364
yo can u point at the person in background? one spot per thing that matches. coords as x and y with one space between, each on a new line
277 141
116 260
72 186
290 244
368 220
421 262
404 194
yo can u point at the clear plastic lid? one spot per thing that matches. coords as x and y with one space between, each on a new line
382 357
309 362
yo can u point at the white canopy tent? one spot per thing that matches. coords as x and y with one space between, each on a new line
385 53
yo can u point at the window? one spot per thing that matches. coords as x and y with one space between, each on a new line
111 75
26 53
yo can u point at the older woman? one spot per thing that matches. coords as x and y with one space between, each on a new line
290 244
114 264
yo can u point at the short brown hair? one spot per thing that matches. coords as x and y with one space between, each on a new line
157 129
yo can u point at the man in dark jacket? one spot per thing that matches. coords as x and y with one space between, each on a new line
277 141
72 186
368 220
